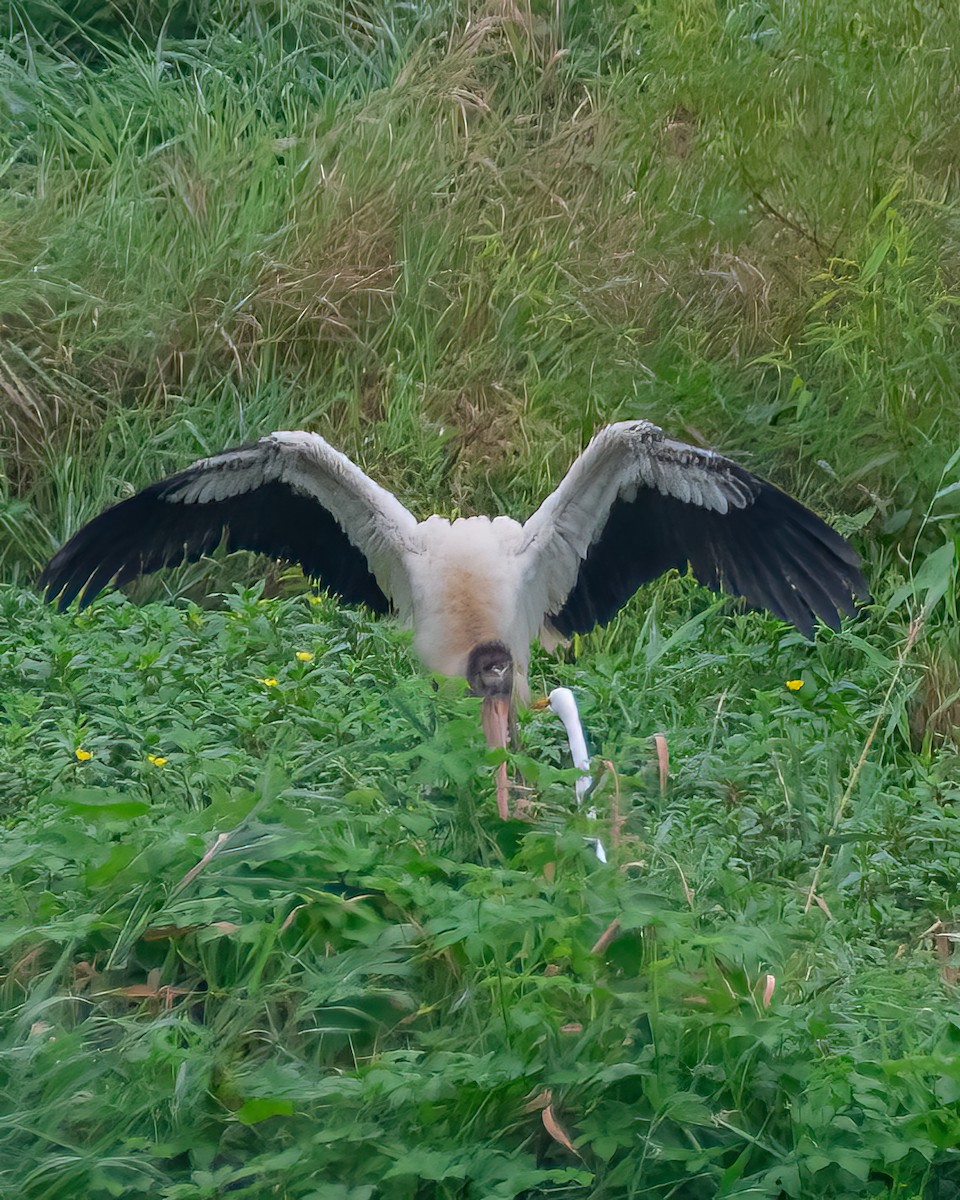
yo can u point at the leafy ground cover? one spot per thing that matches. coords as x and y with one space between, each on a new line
264 934
260 933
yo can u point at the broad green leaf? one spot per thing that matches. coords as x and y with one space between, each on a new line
105 802
260 1108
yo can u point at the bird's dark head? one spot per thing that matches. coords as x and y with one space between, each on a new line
490 675
490 670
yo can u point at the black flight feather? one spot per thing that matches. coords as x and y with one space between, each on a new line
774 552
148 531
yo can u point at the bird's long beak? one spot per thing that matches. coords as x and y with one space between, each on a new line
495 718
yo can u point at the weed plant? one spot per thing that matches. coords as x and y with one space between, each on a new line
260 932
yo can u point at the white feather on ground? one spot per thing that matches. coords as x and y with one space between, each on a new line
563 703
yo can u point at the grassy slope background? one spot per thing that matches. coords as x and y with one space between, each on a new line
456 239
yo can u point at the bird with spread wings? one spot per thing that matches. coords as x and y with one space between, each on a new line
477 591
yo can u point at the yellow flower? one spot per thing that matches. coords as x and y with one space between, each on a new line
270 681
315 599
157 759
82 755
794 684
304 656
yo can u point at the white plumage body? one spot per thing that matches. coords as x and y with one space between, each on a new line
466 585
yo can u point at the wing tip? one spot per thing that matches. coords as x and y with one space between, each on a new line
61 591
52 586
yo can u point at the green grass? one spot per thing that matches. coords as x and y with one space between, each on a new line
370 980
455 240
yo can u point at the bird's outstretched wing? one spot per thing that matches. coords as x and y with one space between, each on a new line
289 495
636 503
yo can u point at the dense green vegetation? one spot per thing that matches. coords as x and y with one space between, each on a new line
261 933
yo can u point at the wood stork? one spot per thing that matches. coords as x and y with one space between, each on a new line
478 591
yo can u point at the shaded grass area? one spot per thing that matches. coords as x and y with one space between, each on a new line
463 238
264 937
262 930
